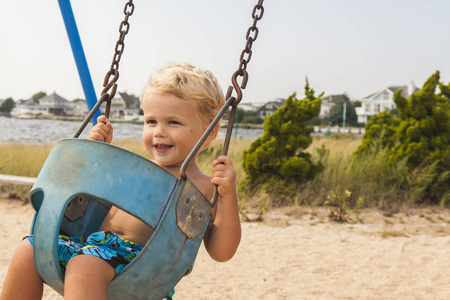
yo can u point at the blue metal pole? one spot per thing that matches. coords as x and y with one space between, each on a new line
78 54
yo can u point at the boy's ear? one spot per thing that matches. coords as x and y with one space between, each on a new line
213 133
210 137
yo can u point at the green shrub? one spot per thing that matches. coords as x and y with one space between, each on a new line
276 161
424 130
382 128
418 142
424 138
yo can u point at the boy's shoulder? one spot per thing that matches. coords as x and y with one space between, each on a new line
203 182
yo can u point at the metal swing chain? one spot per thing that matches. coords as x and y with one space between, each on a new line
114 70
246 55
251 36
108 83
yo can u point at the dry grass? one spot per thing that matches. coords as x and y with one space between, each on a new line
339 145
23 160
392 233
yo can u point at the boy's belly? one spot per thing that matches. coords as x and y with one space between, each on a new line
126 226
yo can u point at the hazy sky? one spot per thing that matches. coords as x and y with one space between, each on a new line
352 46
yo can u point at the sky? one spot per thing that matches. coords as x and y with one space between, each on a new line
355 47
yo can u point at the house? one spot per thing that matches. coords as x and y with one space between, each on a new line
24 107
55 105
326 106
381 101
80 108
248 106
49 105
124 106
270 107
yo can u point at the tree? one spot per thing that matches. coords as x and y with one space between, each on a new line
78 100
420 137
7 105
38 96
336 114
424 130
277 156
424 136
381 128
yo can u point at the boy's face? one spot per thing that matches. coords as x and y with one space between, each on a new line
172 128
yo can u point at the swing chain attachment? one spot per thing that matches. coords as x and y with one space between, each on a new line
109 83
246 55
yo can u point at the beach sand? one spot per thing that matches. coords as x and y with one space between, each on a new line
298 253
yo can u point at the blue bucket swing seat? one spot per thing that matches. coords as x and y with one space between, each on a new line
74 191
81 179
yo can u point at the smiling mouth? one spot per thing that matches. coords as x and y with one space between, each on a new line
162 148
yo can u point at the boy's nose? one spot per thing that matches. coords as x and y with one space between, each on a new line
159 131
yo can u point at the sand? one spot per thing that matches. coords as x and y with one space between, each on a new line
300 254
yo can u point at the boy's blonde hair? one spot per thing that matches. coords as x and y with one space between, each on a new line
189 83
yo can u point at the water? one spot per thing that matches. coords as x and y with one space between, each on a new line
41 131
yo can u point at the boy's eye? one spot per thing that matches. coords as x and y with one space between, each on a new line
174 122
151 122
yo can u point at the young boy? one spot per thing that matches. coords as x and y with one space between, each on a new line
179 103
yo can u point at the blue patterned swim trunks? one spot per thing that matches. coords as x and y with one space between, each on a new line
115 250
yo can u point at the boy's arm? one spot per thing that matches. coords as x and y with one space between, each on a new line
224 234
103 131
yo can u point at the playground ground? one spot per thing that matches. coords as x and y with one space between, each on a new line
298 253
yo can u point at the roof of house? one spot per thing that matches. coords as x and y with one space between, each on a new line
53 98
130 101
405 89
27 102
405 92
271 106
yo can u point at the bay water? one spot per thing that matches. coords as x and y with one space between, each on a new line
49 131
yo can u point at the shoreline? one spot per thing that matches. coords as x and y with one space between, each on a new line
326 130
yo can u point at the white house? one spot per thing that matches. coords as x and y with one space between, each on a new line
51 104
248 106
80 108
24 107
326 106
56 105
124 106
270 107
381 101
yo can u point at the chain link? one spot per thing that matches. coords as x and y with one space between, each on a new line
109 83
246 54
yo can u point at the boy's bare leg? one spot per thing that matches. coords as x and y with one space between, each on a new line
87 277
22 280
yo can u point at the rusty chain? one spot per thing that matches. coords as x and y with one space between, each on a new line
246 54
109 83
